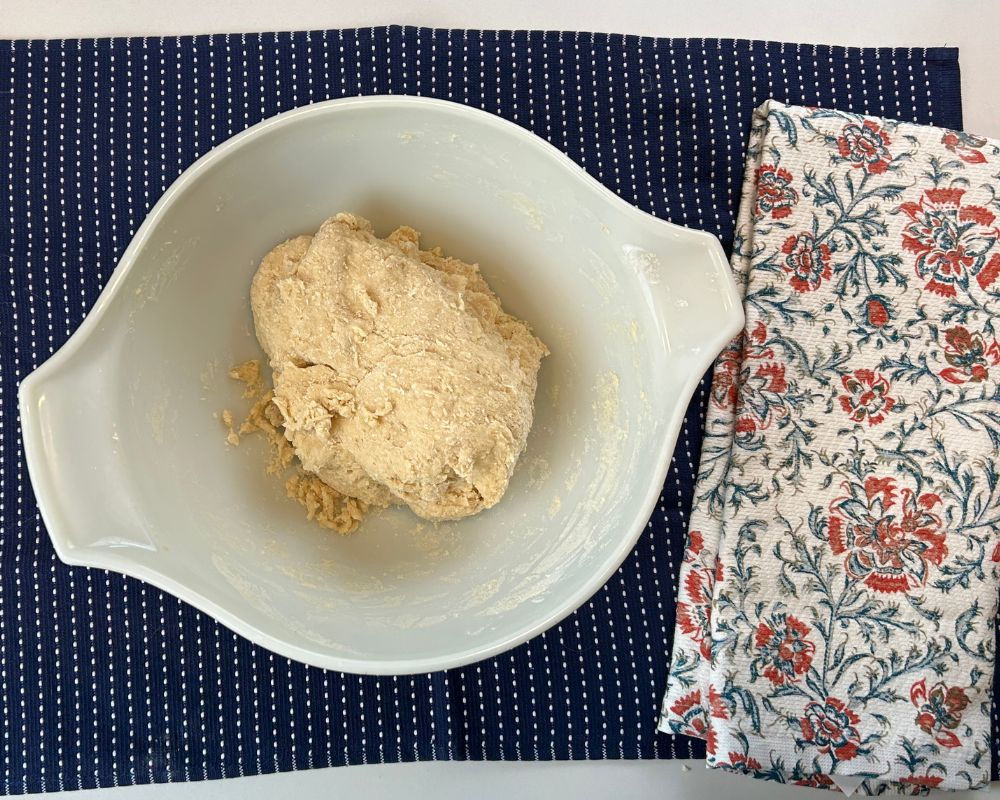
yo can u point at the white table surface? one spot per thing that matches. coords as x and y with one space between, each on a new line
971 25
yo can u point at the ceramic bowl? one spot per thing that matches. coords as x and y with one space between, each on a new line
128 457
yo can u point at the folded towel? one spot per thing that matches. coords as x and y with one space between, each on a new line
836 619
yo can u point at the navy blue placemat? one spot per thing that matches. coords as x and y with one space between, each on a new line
104 680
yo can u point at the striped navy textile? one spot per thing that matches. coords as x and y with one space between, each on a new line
105 680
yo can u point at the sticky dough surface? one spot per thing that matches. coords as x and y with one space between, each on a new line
397 373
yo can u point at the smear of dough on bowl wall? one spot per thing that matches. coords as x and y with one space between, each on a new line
397 377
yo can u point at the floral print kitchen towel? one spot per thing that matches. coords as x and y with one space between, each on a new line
836 620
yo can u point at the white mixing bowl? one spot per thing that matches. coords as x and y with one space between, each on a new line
128 457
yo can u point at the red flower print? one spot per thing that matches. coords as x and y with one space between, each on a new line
738 762
817 781
867 397
717 705
866 146
989 274
969 355
711 741
921 782
693 719
725 386
832 727
888 546
695 544
877 312
951 242
694 613
774 375
775 195
699 585
939 710
807 262
965 146
726 379
760 384
783 651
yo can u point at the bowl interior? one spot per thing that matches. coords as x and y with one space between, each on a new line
401 594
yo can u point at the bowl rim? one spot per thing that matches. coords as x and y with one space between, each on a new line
31 390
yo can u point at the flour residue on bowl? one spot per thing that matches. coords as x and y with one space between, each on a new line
249 588
553 394
644 263
573 474
522 203
436 540
171 258
485 591
554 506
161 418
606 402
610 429
538 470
258 595
209 375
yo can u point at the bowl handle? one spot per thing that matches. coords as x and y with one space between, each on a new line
693 290
67 426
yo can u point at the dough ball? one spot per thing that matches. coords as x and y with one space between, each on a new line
399 376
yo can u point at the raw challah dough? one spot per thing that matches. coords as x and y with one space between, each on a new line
397 374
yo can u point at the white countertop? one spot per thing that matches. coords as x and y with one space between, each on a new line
971 25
